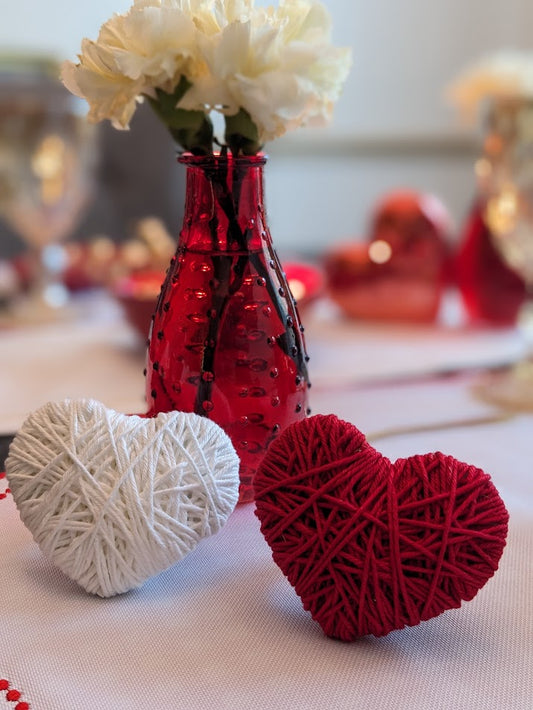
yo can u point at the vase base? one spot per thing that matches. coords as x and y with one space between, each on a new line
246 487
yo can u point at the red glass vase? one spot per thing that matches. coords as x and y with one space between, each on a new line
226 340
491 292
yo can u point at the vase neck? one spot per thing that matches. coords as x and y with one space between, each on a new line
224 204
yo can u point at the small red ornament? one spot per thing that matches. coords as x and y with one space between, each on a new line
3 496
13 695
372 546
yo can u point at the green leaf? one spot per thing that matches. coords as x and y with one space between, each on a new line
192 130
241 134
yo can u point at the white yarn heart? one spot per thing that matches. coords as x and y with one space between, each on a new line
114 499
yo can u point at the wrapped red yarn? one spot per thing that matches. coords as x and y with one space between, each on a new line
372 546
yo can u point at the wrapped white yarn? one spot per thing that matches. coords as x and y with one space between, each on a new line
114 499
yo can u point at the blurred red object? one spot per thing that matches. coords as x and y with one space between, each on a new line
137 293
399 274
89 265
306 282
491 292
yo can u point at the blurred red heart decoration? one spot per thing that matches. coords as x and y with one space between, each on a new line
399 272
372 546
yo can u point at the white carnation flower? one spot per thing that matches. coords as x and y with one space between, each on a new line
277 65
149 47
157 44
275 68
97 79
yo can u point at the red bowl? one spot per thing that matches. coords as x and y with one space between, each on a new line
137 294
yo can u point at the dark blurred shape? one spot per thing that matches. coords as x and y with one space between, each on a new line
139 177
5 441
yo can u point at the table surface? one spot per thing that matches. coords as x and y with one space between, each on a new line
223 628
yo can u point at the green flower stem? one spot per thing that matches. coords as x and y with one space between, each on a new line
192 130
241 134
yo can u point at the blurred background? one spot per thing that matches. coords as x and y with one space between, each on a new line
393 131
392 126
399 211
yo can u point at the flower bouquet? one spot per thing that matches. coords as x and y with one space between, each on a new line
265 70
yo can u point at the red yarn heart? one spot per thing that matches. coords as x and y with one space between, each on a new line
372 546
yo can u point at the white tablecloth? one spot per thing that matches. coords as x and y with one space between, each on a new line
223 628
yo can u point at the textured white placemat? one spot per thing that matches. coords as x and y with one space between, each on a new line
223 629
99 356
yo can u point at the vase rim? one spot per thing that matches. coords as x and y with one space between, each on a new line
216 158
